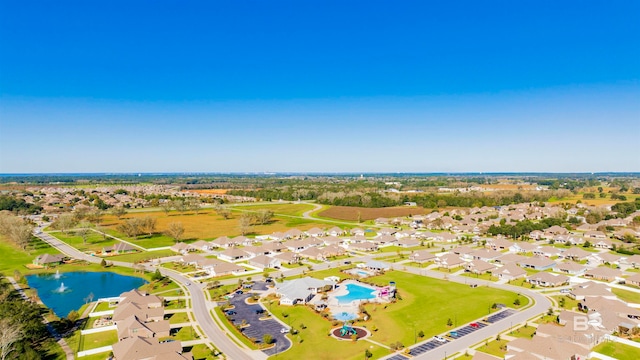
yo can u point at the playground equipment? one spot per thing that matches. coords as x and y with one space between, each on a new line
347 330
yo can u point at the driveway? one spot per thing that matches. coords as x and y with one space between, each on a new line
258 328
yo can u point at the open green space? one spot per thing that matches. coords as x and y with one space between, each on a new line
95 242
185 333
15 258
566 302
99 339
485 276
313 342
201 352
618 351
146 241
321 274
626 295
427 304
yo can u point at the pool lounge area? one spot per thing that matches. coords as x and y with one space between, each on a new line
344 301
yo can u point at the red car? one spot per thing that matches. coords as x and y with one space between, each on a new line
474 325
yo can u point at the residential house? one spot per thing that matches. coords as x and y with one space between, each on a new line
385 240
523 247
591 288
486 254
422 256
576 254
181 248
141 348
49 259
363 246
509 258
596 235
602 244
119 248
547 279
479 267
571 268
603 273
537 263
202 245
287 257
498 244
265 262
133 326
509 272
377 265
540 347
449 261
234 254
316 232
336 231
408 242
633 279
546 251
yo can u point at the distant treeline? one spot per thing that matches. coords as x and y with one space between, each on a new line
18 205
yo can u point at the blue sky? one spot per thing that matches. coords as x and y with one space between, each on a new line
322 86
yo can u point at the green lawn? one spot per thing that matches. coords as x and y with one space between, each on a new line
95 242
200 352
618 351
184 334
523 332
14 258
100 339
494 348
485 276
104 306
177 318
179 267
569 303
314 343
146 241
626 295
428 303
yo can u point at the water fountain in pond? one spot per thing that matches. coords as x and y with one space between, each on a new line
62 288
57 275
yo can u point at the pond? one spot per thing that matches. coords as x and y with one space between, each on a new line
63 292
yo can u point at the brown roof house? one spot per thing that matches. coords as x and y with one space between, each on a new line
140 348
547 279
509 272
133 326
49 259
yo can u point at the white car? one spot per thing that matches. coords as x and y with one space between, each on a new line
284 330
439 339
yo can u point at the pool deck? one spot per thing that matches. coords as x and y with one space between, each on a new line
352 307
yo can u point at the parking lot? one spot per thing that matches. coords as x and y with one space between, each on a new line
257 328
499 316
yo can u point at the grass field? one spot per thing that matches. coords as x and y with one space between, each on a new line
428 303
350 213
313 342
14 258
95 242
626 295
141 256
93 341
618 351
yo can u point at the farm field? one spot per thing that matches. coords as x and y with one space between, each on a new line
278 209
351 213
204 225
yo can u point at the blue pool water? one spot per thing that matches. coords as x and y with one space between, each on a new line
345 316
69 291
356 292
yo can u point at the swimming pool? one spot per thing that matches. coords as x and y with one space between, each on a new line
345 316
356 292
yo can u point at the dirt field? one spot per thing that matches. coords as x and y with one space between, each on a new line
351 213
210 191
208 225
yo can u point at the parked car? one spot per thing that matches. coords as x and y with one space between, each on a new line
230 312
474 325
439 339
284 330
239 292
